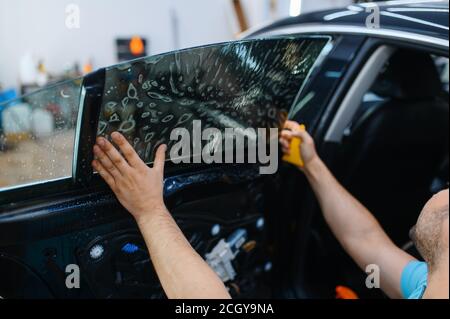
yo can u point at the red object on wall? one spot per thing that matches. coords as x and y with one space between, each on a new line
137 46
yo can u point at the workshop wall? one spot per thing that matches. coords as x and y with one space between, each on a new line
315 5
39 28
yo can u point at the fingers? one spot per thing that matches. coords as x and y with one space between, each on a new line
107 177
291 125
106 162
288 133
114 155
293 130
285 142
289 129
128 151
160 158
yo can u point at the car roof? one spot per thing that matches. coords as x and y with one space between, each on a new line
420 17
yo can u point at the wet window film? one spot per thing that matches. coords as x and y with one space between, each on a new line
248 84
37 135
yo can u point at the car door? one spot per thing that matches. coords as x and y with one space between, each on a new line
62 232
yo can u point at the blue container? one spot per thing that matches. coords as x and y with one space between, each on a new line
5 96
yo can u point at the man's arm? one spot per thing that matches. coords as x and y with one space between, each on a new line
354 226
182 272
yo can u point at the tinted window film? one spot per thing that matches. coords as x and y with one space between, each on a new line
37 135
248 84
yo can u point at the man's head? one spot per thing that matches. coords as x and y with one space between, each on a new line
430 235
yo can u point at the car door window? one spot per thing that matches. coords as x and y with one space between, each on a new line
37 135
246 84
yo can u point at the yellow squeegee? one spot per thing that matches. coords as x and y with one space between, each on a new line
295 156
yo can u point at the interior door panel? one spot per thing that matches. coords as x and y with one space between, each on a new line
47 239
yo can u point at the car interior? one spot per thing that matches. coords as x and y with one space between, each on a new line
401 139
398 138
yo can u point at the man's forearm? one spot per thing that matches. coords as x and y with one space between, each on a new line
182 272
352 224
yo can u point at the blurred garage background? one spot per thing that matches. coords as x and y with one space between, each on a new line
61 38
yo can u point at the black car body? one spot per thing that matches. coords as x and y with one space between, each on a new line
364 91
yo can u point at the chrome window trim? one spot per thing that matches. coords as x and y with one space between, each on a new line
78 133
342 29
352 100
16 187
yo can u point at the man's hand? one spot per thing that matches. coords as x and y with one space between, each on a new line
138 187
182 272
307 147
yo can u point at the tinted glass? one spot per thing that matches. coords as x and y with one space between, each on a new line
248 84
37 135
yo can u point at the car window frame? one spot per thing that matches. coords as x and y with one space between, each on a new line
83 177
37 183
